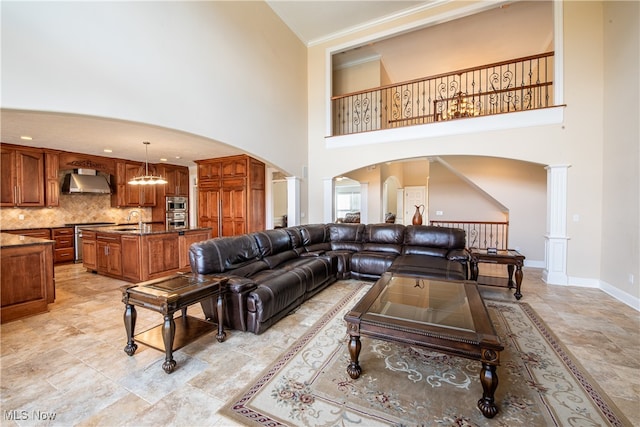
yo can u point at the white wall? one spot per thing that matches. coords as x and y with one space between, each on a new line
621 154
229 71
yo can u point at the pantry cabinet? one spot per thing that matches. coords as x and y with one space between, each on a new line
231 195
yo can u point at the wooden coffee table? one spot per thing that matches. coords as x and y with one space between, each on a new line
511 258
166 296
445 316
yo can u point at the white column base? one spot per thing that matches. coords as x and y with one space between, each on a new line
555 271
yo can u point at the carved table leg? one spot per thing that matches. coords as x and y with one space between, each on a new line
510 271
168 334
354 370
130 315
518 295
220 312
489 380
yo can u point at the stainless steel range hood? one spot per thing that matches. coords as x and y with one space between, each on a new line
85 181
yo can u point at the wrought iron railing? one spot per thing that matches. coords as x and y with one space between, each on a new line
516 85
481 234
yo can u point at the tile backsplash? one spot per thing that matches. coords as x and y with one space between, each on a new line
74 208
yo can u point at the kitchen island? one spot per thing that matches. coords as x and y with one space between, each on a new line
27 283
138 253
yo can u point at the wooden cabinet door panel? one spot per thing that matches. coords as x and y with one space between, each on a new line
209 210
30 178
186 240
163 253
102 257
115 260
132 192
130 247
182 182
8 177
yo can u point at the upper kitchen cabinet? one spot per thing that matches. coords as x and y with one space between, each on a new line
22 177
127 195
52 183
177 180
231 195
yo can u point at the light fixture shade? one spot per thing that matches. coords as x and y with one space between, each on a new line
147 179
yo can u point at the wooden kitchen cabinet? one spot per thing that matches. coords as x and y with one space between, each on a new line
177 180
231 194
22 176
63 248
177 185
108 254
52 183
160 253
127 195
27 280
89 250
137 257
131 258
186 239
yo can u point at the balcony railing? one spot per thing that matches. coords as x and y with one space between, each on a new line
502 87
481 234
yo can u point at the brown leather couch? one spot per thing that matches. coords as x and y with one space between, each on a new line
274 271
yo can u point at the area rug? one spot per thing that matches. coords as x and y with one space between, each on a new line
540 384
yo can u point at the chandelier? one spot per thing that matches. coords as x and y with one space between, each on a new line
459 107
147 179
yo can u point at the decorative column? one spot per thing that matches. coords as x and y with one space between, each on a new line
293 200
364 202
556 239
327 206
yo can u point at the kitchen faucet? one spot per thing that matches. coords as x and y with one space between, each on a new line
131 213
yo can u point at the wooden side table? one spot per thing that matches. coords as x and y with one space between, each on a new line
511 258
167 295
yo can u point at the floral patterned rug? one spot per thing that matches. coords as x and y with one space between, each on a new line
539 383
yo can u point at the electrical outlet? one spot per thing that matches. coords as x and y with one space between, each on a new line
20 216
439 213
631 278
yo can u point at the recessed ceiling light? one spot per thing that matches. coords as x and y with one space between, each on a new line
108 150
26 137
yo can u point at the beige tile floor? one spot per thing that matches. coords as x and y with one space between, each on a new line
70 362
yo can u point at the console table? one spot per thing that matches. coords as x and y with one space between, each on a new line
510 257
166 296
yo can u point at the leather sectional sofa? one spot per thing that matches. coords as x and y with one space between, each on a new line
272 272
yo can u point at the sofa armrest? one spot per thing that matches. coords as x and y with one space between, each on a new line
236 284
461 255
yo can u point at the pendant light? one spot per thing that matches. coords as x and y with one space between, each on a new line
147 179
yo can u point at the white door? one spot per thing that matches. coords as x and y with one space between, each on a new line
415 196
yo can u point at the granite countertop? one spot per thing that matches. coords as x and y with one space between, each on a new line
13 240
133 229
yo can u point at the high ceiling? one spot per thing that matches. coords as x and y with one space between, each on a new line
311 21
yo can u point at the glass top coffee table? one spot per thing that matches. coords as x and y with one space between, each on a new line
445 316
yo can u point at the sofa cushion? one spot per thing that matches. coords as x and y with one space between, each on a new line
271 242
371 265
277 293
223 254
383 238
423 239
346 237
315 238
